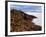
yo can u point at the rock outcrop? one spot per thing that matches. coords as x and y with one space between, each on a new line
21 21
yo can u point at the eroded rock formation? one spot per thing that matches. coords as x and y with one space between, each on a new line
21 21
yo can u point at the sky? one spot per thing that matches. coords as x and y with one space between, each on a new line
26 8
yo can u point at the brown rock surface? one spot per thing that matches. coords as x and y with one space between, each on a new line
21 21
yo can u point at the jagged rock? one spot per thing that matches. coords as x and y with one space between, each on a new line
21 21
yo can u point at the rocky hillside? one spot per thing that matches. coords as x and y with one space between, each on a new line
21 21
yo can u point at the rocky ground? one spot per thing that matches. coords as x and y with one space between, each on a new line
21 21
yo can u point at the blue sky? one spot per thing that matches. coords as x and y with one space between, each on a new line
26 8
